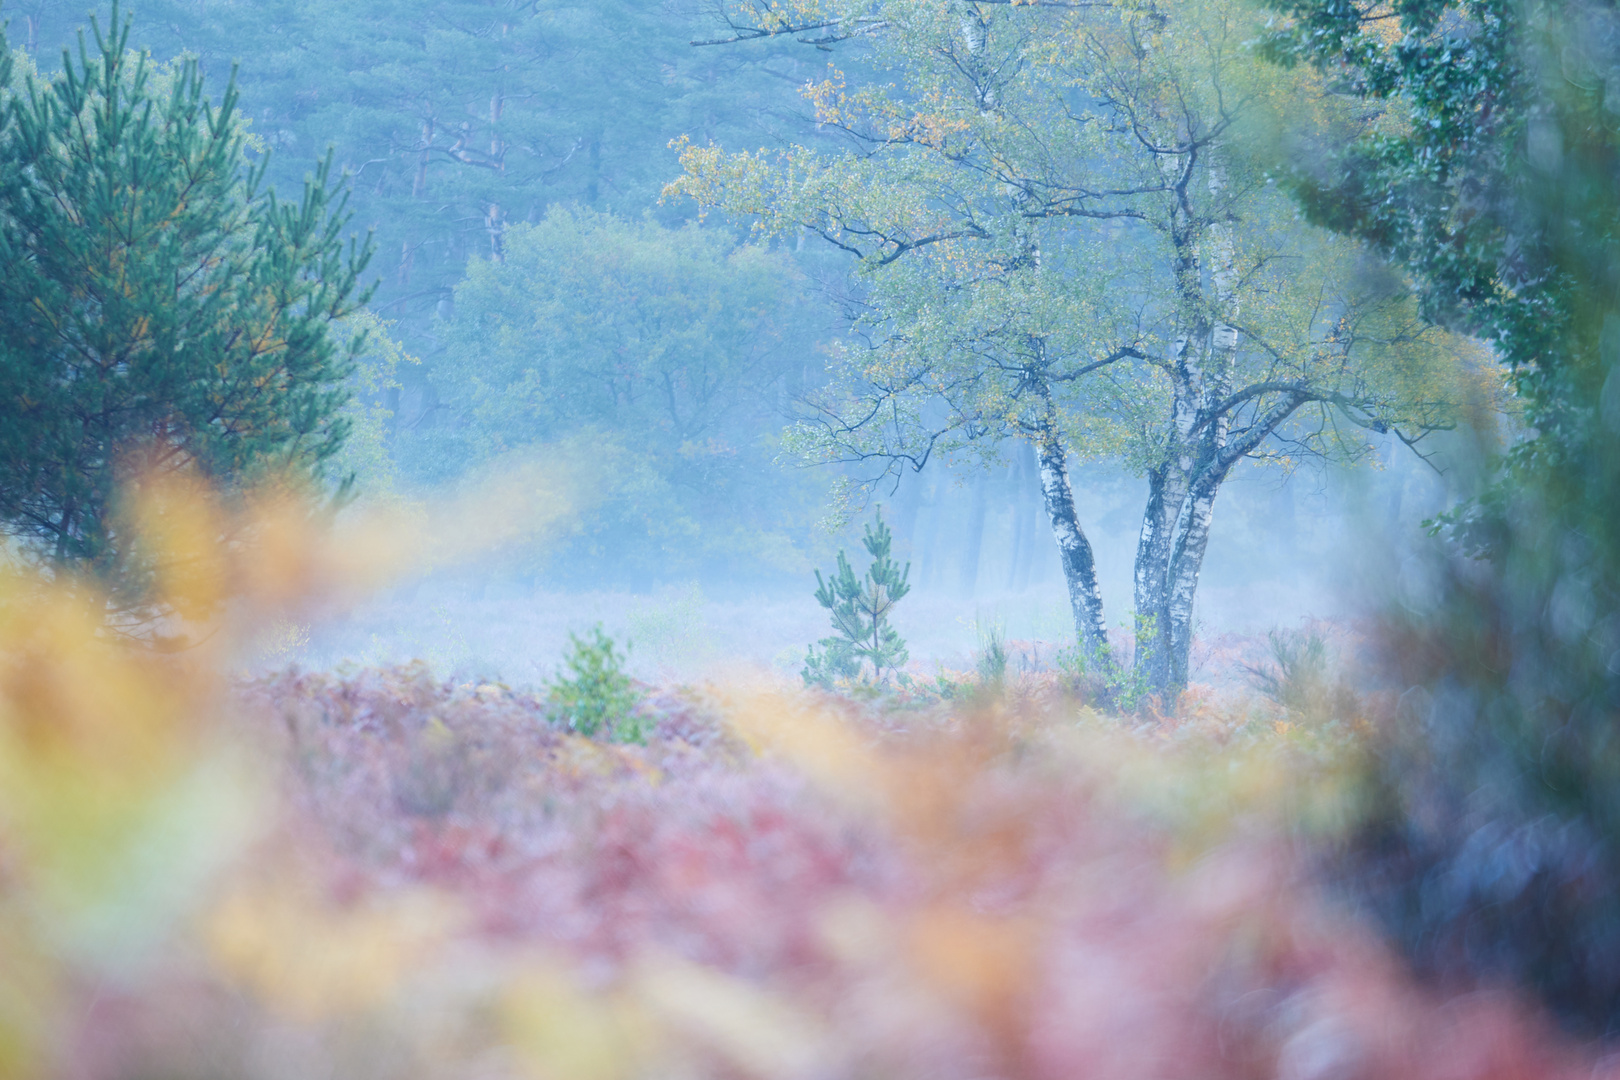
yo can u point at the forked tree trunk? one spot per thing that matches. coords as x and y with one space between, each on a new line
1074 550
1154 548
1183 485
1169 558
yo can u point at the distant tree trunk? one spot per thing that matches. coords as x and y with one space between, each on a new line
419 186
928 541
907 502
497 145
1282 523
391 403
1025 483
975 536
1074 550
496 226
1397 472
593 165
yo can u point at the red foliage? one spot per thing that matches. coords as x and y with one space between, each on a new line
973 906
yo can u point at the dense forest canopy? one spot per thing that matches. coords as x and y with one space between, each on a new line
462 131
457 119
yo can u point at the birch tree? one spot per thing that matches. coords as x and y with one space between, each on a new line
1057 240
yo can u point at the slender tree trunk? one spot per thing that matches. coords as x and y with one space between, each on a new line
497 145
927 542
1189 561
1024 526
1154 548
1074 550
495 225
419 186
593 165
907 502
63 533
975 536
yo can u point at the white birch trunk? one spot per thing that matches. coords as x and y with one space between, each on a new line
1182 489
1074 550
1188 562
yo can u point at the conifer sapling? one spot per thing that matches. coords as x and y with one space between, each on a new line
860 614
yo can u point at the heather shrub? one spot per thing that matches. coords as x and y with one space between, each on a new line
1302 678
991 661
433 774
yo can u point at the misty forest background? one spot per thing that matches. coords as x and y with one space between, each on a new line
511 159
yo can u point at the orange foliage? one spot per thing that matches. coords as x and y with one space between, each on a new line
378 874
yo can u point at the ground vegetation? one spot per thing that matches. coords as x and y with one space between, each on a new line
1490 177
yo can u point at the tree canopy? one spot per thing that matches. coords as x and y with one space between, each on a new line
658 361
1060 239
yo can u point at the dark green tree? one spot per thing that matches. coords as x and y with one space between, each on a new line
160 308
860 610
1491 173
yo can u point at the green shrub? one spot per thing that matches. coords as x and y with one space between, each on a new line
596 696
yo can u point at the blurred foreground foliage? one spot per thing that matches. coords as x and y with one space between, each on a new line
381 874
1491 172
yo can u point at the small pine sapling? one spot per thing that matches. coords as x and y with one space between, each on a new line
860 610
597 696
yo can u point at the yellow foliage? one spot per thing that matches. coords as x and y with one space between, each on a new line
312 960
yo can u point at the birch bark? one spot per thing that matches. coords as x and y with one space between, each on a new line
1182 488
1074 550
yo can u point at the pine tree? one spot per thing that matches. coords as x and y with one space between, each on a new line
860 610
157 304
